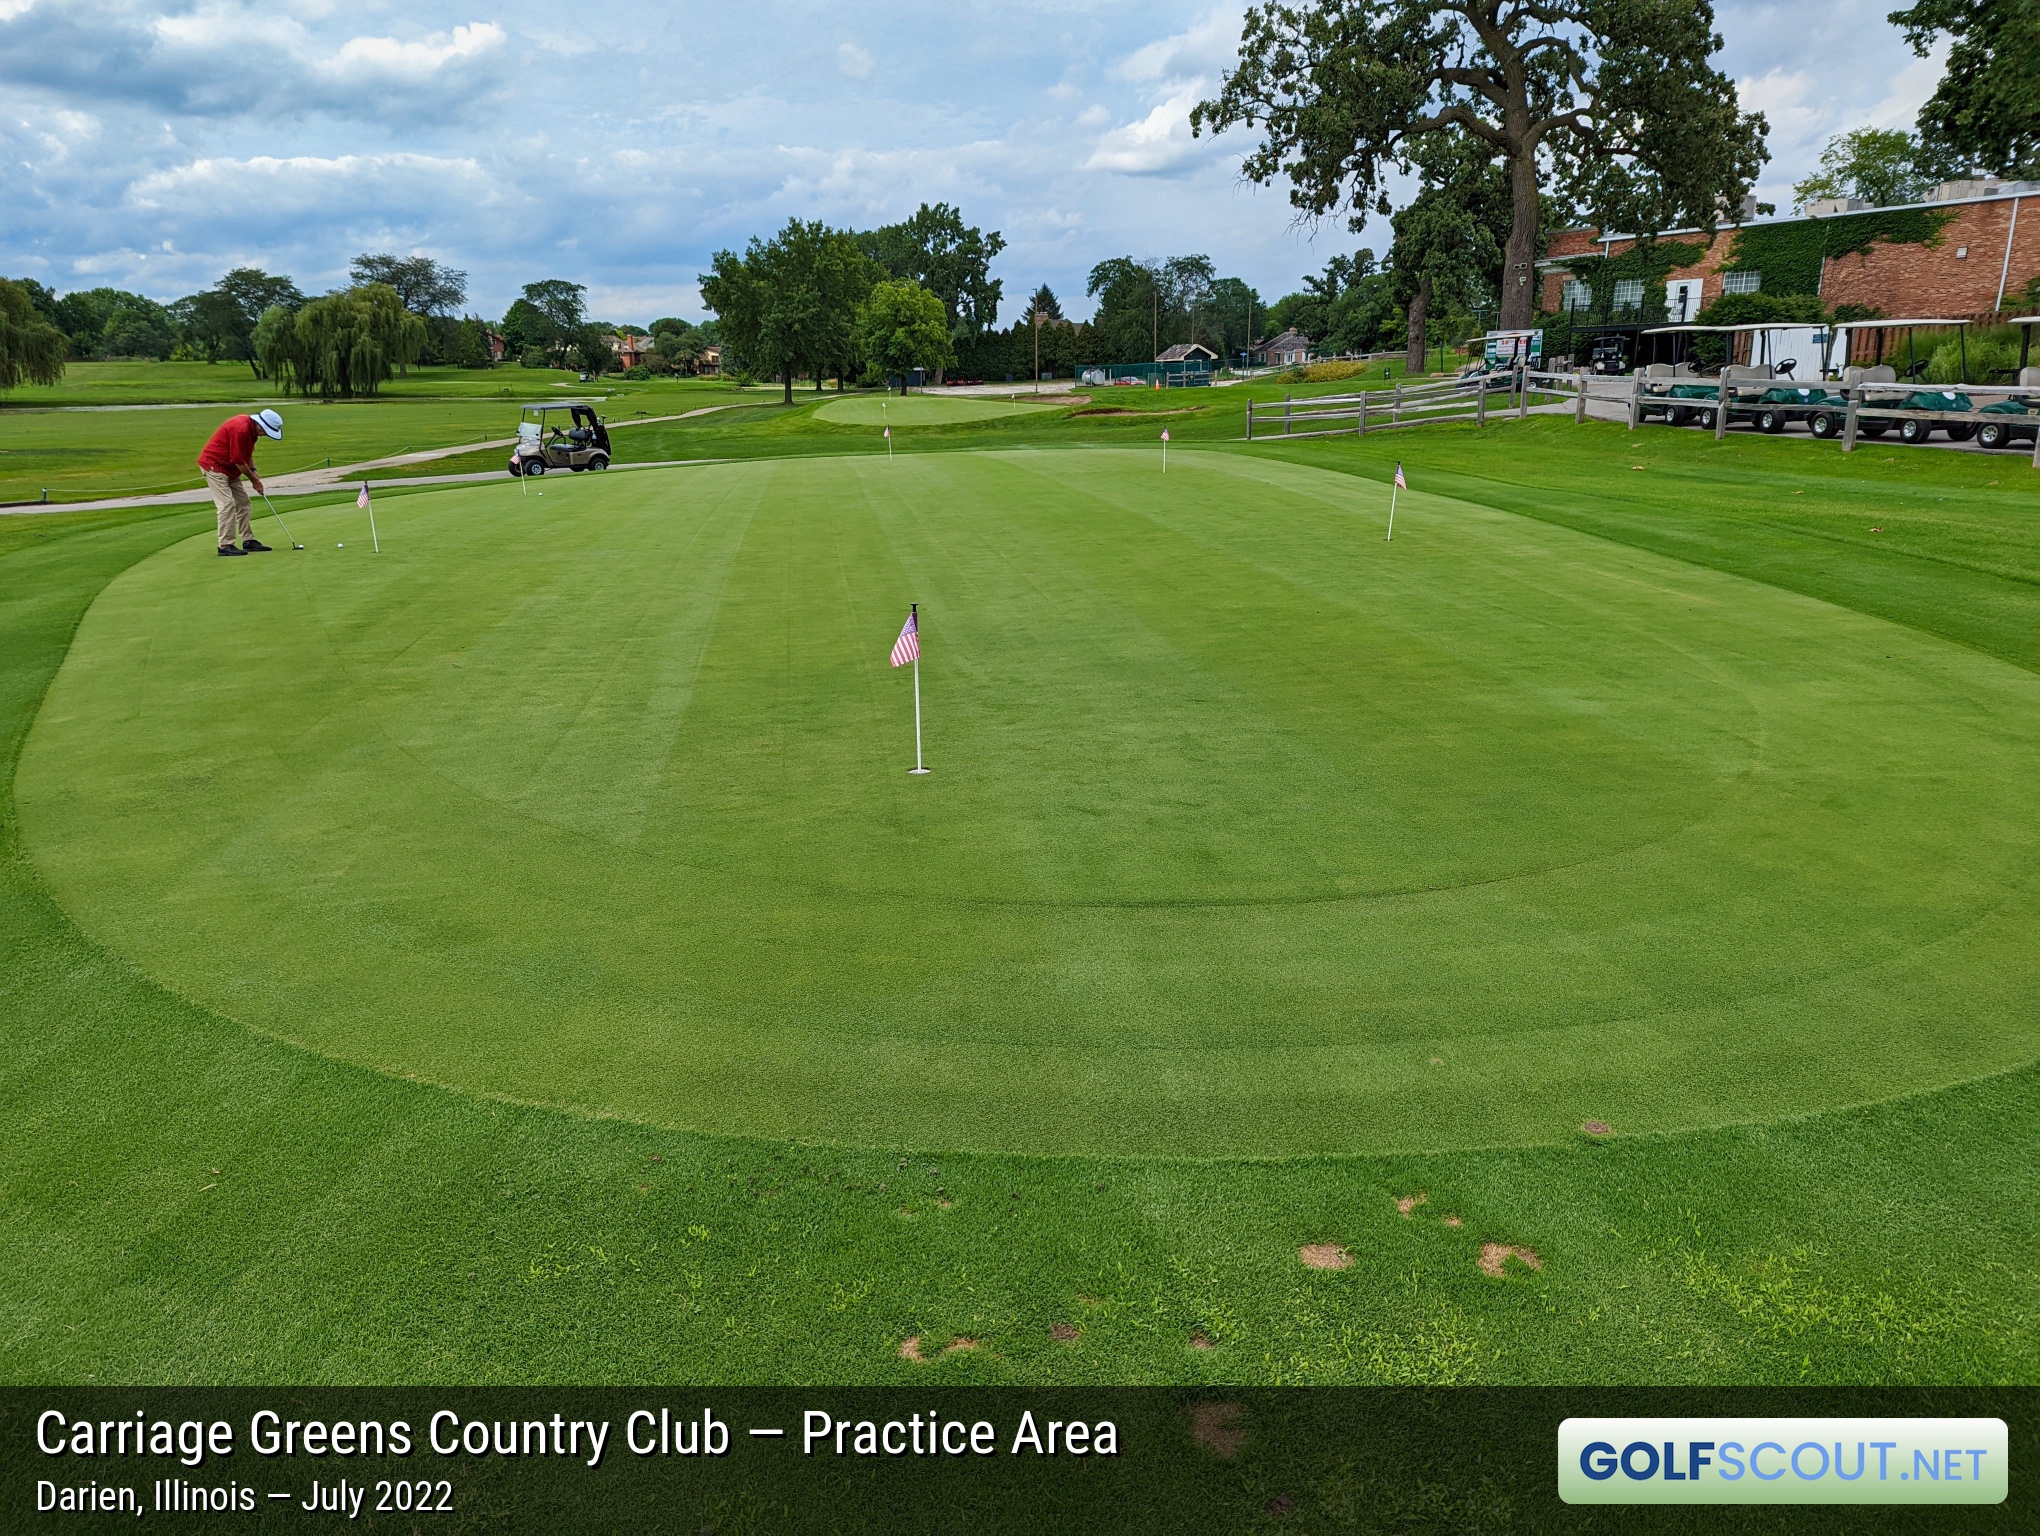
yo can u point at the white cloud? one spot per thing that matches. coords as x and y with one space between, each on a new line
1160 141
853 60
1203 50
415 61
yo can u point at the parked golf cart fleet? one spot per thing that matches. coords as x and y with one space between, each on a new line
1772 393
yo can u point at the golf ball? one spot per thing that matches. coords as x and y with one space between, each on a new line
339 546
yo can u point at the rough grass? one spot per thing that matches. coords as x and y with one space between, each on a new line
359 1227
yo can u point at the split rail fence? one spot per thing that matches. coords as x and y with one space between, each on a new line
1415 405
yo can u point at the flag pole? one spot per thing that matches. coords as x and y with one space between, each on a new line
1391 516
915 609
368 504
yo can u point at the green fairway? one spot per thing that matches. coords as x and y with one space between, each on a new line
921 410
1250 833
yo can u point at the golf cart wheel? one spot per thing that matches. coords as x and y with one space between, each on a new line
1961 431
598 461
1678 415
1915 431
1823 424
534 466
1704 420
1993 435
1771 421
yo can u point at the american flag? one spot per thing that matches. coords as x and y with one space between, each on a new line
361 501
888 434
1400 483
908 647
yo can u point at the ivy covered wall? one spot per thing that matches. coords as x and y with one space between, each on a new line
1789 256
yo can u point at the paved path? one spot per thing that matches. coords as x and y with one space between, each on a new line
310 481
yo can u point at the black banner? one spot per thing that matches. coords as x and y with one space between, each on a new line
734 1461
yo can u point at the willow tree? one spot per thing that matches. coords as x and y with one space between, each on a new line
31 348
1612 103
344 344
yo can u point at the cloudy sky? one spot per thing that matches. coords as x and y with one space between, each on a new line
154 146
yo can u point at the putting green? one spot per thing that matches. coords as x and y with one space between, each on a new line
1248 832
920 410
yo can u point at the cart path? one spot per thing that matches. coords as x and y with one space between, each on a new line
305 482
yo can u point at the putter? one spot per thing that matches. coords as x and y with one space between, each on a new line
280 522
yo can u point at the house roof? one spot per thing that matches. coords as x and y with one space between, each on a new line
1288 341
1183 351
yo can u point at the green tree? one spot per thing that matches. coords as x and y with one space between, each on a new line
31 347
549 316
1044 306
790 304
213 325
1447 250
1986 110
423 286
526 328
1880 165
470 344
590 351
345 344
1613 101
902 326
951 259
138 327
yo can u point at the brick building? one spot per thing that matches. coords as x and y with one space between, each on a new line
1983 253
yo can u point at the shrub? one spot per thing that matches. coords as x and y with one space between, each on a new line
1326 373
534 357
637 371
1993 359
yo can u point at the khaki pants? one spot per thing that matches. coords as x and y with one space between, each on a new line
230 498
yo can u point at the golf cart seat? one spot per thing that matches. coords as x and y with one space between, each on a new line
1658 371
579 435
2029 378
1881 374
1736 373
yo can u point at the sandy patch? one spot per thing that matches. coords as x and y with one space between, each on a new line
1221 1428
1324 1256
910 1349
1064 1333
1494 1258
1408 1203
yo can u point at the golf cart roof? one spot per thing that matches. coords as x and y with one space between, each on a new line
2024 320
1724 330
1895 325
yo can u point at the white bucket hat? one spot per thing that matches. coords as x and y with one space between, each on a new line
270 423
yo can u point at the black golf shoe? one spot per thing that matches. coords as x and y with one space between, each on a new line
228 549
254 547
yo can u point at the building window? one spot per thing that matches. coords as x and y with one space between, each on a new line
1741 282
1629 293
1577 295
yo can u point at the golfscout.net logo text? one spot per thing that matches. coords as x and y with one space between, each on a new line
1782 1461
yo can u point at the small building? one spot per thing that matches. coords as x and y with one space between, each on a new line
710 360
1292 349
629 350
1187 352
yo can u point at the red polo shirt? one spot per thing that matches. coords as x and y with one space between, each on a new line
231 448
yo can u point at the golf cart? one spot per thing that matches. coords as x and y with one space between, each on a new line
568 435
1897 385
2024 425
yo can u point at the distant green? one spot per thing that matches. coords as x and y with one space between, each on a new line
920 410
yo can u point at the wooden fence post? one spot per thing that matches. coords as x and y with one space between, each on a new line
1480 402
1522 394
1395 409
1849 421
1285 415
1360 429
1250 418
1721 412
2036 450
1579 414
1635 402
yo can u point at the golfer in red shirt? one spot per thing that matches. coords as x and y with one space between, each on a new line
229 454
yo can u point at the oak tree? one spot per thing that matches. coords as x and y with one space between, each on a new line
1614 102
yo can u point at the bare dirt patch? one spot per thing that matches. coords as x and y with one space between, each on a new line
1494 1258
962 1346
1597 1128
1221 1428
1324 1256
1453 1221
910 1348
1064 1333
1201 1341
1408 1203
